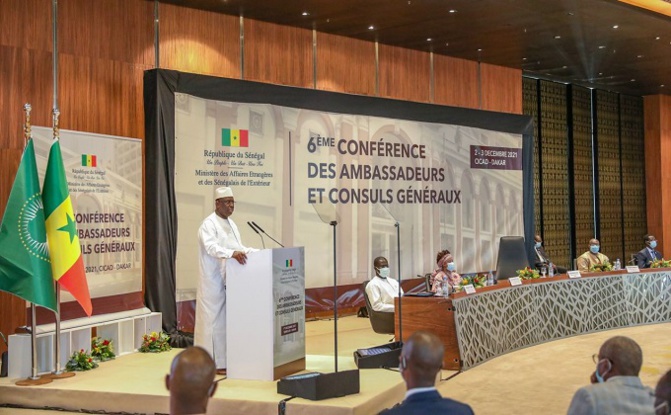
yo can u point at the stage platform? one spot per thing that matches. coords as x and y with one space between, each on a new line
539 379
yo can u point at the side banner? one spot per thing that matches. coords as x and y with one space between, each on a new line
289 300
104 176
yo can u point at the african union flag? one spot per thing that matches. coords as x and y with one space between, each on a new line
67 265
234 138
25 270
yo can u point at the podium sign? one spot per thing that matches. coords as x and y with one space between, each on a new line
265 314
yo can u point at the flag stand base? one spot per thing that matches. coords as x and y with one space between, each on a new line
41 380
61 375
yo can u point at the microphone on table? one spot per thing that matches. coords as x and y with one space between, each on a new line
261 229
259 233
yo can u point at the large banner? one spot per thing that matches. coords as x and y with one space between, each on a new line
293 171
104 176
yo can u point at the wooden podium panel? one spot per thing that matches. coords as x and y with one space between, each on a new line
434 314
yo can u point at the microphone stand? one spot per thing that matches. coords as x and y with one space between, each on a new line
335 297
397 225
274 240
254 229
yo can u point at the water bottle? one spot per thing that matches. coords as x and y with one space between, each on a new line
439 288
551 270
446 287
617 266
490 279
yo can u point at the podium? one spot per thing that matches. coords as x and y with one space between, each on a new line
265 315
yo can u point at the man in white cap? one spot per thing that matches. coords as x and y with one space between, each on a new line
218 240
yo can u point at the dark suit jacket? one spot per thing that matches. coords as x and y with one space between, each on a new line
643 258
429 403
538 264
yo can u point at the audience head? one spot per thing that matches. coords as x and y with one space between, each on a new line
381 267
191 381
538 241
441 254
650 241
594 245
663 395
618 356
421 359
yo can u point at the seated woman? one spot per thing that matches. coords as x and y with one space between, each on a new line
446 267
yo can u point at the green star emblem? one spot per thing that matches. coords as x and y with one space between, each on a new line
70 228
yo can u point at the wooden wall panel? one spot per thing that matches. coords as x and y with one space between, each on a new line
117 30
278 54
199 42
455 82
657 123
583 174
25 77
345 65
101 96
404 74
501 88
26 24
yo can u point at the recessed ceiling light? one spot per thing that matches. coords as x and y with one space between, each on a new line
306 14
633 80
602 47
600 73
564 67
524 59
447 43
479 50
639 56
453 11
428 39
371 27
570 13
557 37
615 26
661 86
657 38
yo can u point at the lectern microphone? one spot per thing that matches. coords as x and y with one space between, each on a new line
264 232
255 230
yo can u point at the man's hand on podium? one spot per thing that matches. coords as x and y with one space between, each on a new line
240 256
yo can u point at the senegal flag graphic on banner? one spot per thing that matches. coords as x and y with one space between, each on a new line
24 255
67 264
234 138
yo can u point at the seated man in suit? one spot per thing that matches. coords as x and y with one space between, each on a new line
648 254
420 361
591 257
616 387
191 381
542 259
382 290
663 395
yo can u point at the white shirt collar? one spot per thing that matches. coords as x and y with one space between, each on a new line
419 390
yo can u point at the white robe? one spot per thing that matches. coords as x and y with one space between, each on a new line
218 239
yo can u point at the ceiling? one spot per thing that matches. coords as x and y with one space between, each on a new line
600 43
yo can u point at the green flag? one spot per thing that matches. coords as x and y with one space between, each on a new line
25 270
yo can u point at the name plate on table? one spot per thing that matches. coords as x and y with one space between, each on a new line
574 274
469 289
632 268
515 281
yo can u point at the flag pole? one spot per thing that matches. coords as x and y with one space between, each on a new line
34 379
58 372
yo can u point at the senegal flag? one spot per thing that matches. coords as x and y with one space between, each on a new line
234 138
67 265
24 255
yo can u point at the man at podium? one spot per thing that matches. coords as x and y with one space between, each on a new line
218 240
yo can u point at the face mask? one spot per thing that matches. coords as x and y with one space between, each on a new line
384 272
451 266
538 244
599 377
653 244
594 248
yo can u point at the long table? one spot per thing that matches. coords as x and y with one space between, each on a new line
501 318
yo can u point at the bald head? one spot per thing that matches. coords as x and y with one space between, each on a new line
421 359
625 355
191 381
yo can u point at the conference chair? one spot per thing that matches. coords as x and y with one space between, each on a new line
382 323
